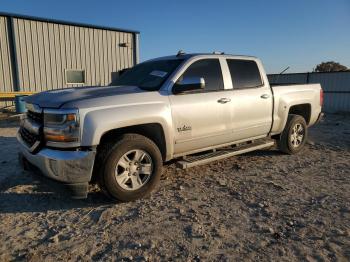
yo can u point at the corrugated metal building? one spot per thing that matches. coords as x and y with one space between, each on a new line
39 54
336 87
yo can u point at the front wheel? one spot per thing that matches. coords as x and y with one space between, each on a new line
294 135
132 168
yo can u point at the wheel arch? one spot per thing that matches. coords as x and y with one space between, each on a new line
303 110
153 131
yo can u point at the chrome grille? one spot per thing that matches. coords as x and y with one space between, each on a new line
31 127
28 137
36 117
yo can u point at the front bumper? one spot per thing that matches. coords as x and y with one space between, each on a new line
73 168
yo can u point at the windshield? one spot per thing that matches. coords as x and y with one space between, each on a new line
148 75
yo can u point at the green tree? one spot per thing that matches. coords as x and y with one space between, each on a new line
330 66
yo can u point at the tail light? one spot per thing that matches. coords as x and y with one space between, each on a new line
321 97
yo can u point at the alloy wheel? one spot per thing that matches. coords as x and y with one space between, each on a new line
134 169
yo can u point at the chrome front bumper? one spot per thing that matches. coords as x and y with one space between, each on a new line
68 167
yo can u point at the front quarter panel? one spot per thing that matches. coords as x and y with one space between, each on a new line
99 121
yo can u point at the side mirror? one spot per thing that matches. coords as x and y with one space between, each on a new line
189 84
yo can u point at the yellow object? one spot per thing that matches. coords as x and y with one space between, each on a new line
11 95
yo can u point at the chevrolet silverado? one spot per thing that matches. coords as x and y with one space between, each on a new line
194 108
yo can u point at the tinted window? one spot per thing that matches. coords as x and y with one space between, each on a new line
210 70
244 73
148 75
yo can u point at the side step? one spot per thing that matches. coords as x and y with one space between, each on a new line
195 160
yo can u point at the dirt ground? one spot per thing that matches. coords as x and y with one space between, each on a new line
259 206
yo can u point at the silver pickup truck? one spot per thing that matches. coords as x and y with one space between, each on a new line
194 108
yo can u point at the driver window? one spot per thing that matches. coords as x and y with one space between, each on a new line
210 70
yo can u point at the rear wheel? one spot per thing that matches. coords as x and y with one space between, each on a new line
131 168
294 135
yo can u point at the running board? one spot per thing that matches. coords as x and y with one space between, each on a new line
195 160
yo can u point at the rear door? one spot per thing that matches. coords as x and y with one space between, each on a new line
251 100
202 118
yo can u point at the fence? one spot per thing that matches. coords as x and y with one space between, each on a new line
336 87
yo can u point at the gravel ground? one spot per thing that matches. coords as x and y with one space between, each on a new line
259 206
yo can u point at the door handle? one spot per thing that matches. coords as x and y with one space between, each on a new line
224 100
265 96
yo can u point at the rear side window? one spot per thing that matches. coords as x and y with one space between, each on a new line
210 70
244 73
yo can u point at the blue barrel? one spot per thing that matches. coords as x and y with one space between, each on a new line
20 104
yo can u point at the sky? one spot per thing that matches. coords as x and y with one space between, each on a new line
295 33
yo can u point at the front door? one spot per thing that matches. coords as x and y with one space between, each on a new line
202 118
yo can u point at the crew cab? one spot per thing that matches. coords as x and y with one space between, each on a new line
183 107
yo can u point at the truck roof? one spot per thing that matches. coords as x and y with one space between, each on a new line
190 55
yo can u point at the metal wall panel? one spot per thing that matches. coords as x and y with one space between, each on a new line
336 87
335 81
6 77
46 50
288 78
35 53
336 102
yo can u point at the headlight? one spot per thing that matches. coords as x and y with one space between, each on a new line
61 127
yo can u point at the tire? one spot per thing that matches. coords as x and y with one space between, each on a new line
289 144
123 182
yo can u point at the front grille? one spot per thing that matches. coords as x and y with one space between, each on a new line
28 137
29 131
36 117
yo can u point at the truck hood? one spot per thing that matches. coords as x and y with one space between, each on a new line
57 98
